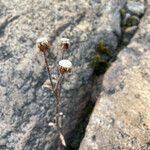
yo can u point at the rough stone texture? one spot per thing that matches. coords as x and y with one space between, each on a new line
136 8
121 117
25 108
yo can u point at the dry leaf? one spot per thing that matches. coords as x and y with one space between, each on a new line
62 140
47 86
51 124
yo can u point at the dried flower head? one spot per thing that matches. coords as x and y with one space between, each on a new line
65 43
51 124
43 44
63 142
60 114
65 66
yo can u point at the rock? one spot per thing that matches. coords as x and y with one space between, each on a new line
128 33
131 30
121 117
136 8
125 18
25 107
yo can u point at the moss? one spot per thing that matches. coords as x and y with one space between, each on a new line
95 61
122 13
101 48
132 21
98 65
100 62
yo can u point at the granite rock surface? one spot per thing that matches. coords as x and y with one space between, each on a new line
25 107
121 117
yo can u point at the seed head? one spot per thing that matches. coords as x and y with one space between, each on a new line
65 43
65 66
43 44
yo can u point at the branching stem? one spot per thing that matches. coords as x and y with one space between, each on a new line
48 70
56 91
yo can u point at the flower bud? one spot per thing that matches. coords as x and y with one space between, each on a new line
43 44
65 43
65 66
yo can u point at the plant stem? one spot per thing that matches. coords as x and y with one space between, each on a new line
48 70
62 57
55 93
61 119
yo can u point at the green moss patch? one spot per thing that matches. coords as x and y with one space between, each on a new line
132 21
100 62
101 48
122 13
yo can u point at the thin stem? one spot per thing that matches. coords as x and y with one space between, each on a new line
57 90
61 119
48 70
55 93
58 81
62 57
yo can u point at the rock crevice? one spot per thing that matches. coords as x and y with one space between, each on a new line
120 119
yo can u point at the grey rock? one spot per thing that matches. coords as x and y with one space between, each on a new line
121 117
128 33
25 107
127 15
136 8
131 30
